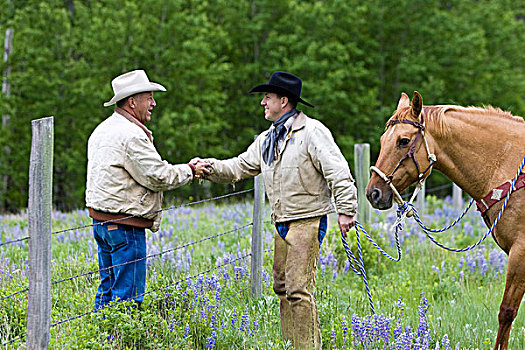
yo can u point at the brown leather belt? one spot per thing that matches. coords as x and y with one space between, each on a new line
120 218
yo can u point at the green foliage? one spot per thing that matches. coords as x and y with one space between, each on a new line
354 57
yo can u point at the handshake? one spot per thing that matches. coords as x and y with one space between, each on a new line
202 167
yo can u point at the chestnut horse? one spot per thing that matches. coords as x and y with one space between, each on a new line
479 149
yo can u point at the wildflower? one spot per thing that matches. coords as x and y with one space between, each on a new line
446 342
255 328
245 322
356 328
333 337
210 341
234 318
423 331
187 331
213 319
344 328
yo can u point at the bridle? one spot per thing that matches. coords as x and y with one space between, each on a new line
410 154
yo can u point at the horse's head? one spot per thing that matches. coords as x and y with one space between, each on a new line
402 160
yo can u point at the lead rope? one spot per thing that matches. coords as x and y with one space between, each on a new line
427 230
402 210
360 270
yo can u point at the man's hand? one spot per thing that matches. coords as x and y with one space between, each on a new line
202 168
345 223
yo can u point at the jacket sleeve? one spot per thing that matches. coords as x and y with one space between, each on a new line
245 165
145 165
329 160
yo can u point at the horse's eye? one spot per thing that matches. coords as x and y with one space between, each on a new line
403 142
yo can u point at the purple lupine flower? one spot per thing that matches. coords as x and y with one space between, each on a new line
187 331
213 319
461 262
210 341
471 263
383 327
357 330
234 318
423 332
245 322
333 337
344 329
255 328
446 342
497 260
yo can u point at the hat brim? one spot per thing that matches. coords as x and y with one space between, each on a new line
279 90
134 89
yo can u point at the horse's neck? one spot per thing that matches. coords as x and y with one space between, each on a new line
480 152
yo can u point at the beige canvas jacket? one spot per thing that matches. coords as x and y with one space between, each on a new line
125 173
309 170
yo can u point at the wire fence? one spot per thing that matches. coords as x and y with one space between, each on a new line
173 207
185 279
171 250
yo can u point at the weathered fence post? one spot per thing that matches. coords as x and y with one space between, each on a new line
257 237
362 176
39 208
420 200
457 199
6 91
6 85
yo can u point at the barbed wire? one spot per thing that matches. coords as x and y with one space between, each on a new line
136 260
20 337
438 188
152 291
155 255
13 294
427 190
14 241
172 207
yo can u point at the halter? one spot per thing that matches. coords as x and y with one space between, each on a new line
410 154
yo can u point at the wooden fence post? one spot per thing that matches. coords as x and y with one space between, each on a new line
362 176
457 199
257 237
39 208
420 200
6 85
6 91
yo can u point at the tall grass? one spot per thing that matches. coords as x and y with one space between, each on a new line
431 299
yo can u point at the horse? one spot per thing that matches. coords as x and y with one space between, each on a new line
480 150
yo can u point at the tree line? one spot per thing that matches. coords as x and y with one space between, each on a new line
355 58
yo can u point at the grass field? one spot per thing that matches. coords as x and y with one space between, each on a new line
198 296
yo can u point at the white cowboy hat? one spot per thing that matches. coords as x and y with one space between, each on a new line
131 83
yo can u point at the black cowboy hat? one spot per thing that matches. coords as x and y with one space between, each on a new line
284 84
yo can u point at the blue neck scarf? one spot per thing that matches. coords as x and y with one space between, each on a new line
273 137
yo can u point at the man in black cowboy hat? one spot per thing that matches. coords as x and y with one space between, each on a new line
302 169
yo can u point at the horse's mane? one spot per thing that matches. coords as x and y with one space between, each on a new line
434 116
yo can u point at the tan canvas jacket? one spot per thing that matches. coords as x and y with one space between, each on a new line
300 183
125 173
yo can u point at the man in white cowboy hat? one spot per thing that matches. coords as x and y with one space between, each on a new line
302 168
126 178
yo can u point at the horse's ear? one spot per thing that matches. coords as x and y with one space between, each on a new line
403 101
417 104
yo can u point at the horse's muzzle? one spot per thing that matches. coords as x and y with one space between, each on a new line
380 199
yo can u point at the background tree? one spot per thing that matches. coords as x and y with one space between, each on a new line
355 59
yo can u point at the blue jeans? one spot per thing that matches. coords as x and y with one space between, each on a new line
119 244
283 227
